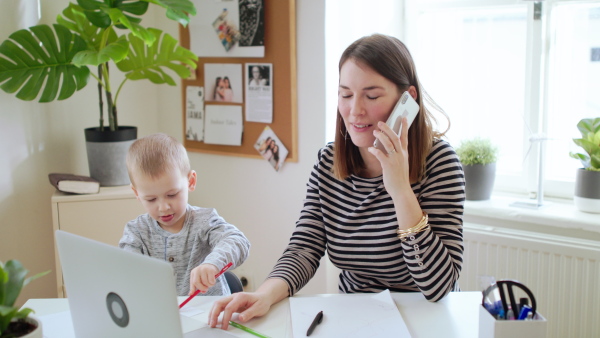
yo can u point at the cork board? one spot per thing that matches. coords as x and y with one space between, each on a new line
280 51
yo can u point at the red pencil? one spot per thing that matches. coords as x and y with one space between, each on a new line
198 291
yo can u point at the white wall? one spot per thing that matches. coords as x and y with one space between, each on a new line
36 139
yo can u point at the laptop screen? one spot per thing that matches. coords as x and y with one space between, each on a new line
114 293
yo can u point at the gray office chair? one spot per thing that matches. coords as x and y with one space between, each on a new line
235 285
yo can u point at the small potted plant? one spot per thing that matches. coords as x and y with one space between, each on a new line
478 157
587 180
89 37
15 322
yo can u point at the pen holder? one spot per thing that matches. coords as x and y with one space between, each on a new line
492 327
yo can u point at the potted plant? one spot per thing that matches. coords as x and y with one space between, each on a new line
51 62
15 322
478 157
587 180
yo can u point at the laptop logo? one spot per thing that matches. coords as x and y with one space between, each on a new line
117 309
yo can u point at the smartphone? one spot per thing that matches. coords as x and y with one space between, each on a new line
406 107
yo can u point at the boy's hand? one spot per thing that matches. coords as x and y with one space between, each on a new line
202 277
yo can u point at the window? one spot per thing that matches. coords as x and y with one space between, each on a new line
512 71
346 21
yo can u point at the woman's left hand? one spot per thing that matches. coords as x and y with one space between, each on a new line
394 163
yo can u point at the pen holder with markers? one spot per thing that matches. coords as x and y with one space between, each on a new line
500 315
490 326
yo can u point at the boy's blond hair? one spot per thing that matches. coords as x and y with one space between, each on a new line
155 154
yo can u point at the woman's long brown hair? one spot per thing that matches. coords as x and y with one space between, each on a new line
390 58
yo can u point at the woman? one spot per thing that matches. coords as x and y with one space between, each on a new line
257 78
223 91
389 220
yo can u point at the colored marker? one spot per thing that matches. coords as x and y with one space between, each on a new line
198 291
247 329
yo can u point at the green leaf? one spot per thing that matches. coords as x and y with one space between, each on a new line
23 313
177 10
587 145
477 151
595 161
585 160
93 11
16 278
135 28
3 281
150 62
589 126
6 315
98 12
41 58
6 310
75 20
115 51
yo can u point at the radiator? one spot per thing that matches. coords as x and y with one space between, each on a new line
562 272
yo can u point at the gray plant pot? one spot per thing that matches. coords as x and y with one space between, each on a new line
479 181
106 151
587 191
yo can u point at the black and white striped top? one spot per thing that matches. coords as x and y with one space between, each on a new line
355 221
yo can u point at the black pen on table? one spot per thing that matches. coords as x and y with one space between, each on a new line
318 319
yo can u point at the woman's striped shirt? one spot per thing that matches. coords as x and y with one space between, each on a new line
355 220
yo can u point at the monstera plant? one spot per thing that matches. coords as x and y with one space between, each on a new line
50 62
53 62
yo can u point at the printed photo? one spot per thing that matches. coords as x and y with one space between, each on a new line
271 148
226 30
223 82
259 74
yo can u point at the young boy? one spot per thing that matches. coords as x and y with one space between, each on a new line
196 241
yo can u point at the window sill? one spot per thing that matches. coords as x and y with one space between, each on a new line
555 217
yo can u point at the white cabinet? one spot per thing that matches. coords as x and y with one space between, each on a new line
101 217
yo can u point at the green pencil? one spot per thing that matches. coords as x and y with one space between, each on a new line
247 329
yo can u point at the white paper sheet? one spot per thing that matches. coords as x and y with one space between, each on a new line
190 310
373 315
57 325
259 92
223 125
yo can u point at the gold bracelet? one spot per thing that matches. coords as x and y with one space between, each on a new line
421 226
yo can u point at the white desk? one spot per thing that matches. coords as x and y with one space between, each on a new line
457 315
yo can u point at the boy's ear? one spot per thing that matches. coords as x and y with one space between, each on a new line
192 180
134 191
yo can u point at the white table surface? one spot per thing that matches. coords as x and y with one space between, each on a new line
454 316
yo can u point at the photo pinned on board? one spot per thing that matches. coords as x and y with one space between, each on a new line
226 30
271 148
224 82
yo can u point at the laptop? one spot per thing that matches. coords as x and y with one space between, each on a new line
116 293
